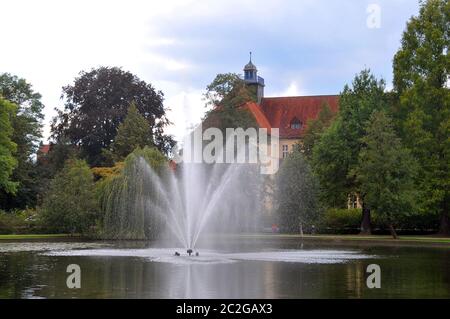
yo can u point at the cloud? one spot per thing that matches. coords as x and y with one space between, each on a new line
300 47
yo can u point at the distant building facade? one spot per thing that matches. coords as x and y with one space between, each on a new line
289 114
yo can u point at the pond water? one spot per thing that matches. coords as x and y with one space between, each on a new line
234 268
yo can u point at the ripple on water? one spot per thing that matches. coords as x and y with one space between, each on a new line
45 246
212 257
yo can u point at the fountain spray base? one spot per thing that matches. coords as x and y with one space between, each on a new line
189 252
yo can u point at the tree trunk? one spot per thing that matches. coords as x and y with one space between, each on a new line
444 225
301 230
392 230
365 223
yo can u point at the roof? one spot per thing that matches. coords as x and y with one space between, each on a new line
249 66
44 149
278 112
258 114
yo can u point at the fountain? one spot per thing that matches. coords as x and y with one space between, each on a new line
151 200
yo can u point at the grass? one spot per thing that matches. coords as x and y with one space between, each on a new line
33 236
367 238
363 238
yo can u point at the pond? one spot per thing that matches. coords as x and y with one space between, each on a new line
228 268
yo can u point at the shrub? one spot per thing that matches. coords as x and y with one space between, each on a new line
70 206
341 220
19 222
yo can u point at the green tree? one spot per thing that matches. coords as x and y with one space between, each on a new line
421 82
296 193
386 171
315 129
336 155
125 198
229 90
226 94
134 132
7 147
97 103
70 206
27 125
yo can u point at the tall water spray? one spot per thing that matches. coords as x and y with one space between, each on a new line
182 203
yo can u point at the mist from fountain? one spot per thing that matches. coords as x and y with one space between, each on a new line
196 195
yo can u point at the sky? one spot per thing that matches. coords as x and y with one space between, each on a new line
301 47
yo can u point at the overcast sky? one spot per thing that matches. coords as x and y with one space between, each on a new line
301 47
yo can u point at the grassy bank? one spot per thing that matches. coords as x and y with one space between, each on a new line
360 238
34 236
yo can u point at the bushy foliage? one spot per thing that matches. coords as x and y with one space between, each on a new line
70 206
19 221
97 103
27 127
296 193
386 170
422 111
125 198
7 147
134 132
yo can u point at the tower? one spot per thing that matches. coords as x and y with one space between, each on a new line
251 78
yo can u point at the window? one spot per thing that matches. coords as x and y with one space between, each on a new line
296 124
285 151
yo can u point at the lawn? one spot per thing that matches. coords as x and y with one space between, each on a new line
33 236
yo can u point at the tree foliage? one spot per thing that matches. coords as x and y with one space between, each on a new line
97 103
296 193
27 127
336 155
134 132
128 200
228 90
70 206
421 82
315 129
7 147
386 171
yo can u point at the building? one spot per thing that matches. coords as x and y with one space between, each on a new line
289 114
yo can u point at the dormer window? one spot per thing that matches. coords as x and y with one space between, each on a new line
296 124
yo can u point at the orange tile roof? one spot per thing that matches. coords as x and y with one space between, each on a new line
258 114
44 149
278 112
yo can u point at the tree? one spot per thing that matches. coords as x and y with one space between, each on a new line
97 103
228 90
134 132
335 156
226 94
27 126
315 129
7 147
386 171
421 82
70 206
128 198
296 193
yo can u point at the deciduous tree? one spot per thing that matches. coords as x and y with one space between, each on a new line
97 103
7 147
336 155
386 171
296 193
421 81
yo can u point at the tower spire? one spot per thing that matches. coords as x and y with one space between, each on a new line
250 56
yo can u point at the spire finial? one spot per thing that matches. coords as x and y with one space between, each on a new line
250 56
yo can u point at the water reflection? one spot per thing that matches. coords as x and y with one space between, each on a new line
406 272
